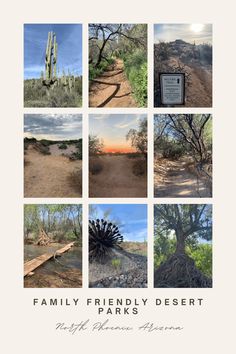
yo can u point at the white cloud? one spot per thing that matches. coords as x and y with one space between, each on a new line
139 236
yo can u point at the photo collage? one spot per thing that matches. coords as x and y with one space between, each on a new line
118 155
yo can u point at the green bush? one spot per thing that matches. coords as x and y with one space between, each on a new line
62 146
202 256
95 166
45 142
116 263
76 155
136 71
173 151
97 71
169 149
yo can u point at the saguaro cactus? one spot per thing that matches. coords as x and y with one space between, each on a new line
103 237
70 83
51 60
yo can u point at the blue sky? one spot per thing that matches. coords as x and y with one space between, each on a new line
53 126
198 33
130 218
69 39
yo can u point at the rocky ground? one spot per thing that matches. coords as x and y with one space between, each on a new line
131 273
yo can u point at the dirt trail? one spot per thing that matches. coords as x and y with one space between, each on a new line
199 93
117 179
172 179
50 176
112 89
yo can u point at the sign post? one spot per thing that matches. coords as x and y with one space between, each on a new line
172 87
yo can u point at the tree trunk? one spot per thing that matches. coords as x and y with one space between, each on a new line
180 245
100 53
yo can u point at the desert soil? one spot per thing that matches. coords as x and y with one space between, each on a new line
117 179
51 176
172 179
199 93
112 89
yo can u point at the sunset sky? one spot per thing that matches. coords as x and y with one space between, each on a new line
112 129
53 126
196 32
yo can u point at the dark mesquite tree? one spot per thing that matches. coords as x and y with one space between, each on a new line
189 222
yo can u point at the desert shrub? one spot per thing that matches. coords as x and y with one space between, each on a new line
45 143
169 148
139 168
62 146
76 155
75 179
205 53
28 141
36 95
173 151
163 249
78 145
95 166
132 155
162 51
116 263
95 71
139 248
95 145
202 256
43 149
136 71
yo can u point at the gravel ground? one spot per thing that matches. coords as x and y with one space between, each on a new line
131 273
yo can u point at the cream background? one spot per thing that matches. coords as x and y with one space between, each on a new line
208 329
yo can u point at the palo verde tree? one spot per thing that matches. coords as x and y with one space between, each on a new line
138 137
188 221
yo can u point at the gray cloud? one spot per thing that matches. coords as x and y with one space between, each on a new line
53 126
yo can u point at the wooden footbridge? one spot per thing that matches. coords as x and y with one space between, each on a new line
31 265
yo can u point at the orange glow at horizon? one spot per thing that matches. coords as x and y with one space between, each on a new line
115 149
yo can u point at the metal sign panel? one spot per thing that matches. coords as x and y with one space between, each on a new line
172 87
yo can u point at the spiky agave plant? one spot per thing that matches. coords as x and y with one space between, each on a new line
103 237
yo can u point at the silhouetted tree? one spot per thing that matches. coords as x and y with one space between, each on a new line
138 137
